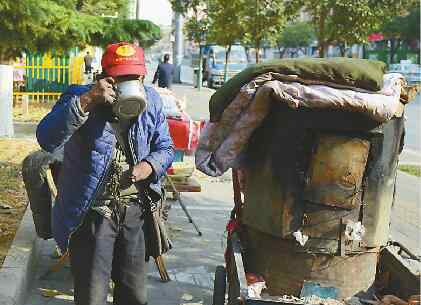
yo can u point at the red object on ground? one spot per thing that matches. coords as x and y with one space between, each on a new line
184 132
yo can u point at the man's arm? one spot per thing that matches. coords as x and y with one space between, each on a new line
56 128
70 113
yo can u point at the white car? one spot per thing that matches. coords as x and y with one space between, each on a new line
412 72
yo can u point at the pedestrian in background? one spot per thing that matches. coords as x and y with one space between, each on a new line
88 63
164 73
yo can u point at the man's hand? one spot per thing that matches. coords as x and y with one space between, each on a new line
141 171
101 93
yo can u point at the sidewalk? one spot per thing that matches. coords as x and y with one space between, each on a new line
197 101
406 213
410 157
191 264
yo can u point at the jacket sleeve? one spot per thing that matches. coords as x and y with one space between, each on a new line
56 128
162 148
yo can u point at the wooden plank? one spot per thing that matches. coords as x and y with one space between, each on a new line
189 185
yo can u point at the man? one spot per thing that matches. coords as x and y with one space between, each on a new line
164 73
88 63
111 169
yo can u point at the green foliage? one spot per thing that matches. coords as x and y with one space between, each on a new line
263 20
42 25
406 26
347 22
226 25
183 6
103 7
228 21
117 29
198 22
296 35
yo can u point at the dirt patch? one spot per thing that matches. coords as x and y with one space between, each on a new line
13 198
36 111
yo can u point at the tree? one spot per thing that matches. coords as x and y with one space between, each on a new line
144 32
42 25
225 27
263 20
347 22
183 6
404 28
295 36
103 7
197 24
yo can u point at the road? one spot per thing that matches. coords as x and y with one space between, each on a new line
413 125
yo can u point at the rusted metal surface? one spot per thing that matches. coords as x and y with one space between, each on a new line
324 225
285 270
336 170
398 275
277 159
314 171
378 195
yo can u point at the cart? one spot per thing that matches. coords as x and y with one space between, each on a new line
300 180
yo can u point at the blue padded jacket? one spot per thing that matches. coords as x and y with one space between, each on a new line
87 141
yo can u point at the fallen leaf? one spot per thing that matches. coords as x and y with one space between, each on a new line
187 297
49 293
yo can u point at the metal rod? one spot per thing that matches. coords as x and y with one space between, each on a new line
178 197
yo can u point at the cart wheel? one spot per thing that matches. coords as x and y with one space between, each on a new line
219 286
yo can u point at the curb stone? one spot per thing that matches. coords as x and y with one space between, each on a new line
18 268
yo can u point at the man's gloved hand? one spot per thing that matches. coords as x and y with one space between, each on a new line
141 171
102 92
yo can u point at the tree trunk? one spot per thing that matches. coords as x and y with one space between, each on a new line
282 54
247 53
394 46
342 49
322 50
392 50
257 48
227 55
321 37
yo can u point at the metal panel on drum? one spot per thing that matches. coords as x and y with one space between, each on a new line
336 170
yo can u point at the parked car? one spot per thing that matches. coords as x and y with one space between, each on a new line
214 64
412 72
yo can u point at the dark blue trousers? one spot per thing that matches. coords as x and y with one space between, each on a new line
103 249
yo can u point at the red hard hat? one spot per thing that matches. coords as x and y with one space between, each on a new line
122 59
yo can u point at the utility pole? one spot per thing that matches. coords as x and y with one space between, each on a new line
138 6
178 45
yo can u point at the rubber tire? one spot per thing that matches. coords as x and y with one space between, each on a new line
219 286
